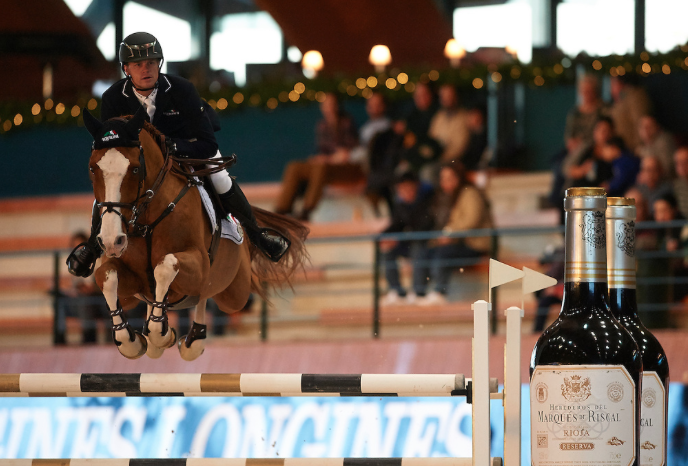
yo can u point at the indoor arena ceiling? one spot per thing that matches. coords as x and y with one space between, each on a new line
344 32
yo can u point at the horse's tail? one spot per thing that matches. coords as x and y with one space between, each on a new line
267 274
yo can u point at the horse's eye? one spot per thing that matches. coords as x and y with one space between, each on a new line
135 171
91 170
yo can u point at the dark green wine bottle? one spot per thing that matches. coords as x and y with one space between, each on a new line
622 302
585 369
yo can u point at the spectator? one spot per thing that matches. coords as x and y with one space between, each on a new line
581 119
459 206
630 104
474 155
373 152
335 137
85 300
587 167
378 122
651 182
384 152
654 141
449 126
624 167
412 212
680 184
419 149
578 133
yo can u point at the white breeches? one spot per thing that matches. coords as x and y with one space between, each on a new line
221 180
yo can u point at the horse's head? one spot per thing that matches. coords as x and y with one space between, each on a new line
118 173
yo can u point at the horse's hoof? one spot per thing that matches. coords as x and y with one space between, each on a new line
193 352
163 341
153 351
135 349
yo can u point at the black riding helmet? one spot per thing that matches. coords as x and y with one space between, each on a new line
140 46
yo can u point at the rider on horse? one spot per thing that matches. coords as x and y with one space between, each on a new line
174 107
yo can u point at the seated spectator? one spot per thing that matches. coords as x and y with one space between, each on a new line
651 181
680 183
335 137
458 206
587 167
419 149
449 126
373 152
578 132
84 300
378 122
474 155
624 166
630 103
412 212
383 159
654 141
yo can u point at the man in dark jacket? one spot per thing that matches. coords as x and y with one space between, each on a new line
412 212
175 109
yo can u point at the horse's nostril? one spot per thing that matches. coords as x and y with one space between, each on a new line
120 240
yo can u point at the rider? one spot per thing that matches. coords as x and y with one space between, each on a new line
174 107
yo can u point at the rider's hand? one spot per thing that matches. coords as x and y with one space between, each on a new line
171 147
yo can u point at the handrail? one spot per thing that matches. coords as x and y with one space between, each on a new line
494 233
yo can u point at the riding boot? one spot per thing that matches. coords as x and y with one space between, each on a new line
270 242
82 259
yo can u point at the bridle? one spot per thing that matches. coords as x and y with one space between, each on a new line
138 207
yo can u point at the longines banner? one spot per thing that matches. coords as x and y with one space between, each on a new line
264 427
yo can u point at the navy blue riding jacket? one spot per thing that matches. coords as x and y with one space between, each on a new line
180 114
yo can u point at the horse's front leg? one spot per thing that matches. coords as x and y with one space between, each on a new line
192 345
157 329
130 344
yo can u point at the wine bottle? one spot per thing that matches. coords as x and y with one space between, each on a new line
585 369
622 302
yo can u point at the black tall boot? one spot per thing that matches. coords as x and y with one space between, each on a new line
82 259
270 242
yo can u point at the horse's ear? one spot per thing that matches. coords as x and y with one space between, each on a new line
135 125
92 124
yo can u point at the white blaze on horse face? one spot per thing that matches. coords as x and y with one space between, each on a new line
114 166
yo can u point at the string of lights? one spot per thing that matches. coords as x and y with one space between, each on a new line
395 84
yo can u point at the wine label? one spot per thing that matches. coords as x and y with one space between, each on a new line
582 415
652 421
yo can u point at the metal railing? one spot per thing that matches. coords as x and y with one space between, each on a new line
497 236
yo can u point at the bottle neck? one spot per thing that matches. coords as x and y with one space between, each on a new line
622 303
621 253
586 256
584 298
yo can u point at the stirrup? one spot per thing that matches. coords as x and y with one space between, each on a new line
273 244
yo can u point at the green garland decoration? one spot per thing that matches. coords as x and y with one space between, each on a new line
396 85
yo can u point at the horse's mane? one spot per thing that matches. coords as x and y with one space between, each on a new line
154 132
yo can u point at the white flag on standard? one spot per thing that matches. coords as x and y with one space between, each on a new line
534 281
502 273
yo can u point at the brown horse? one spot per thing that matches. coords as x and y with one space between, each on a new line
156 240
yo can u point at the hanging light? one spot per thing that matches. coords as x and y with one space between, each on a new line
380 57
454 52
512 51
311 63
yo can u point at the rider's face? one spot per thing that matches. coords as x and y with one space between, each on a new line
144 74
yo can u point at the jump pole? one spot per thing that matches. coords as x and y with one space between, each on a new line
250 462
277 385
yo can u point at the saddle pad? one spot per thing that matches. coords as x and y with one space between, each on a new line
231 229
